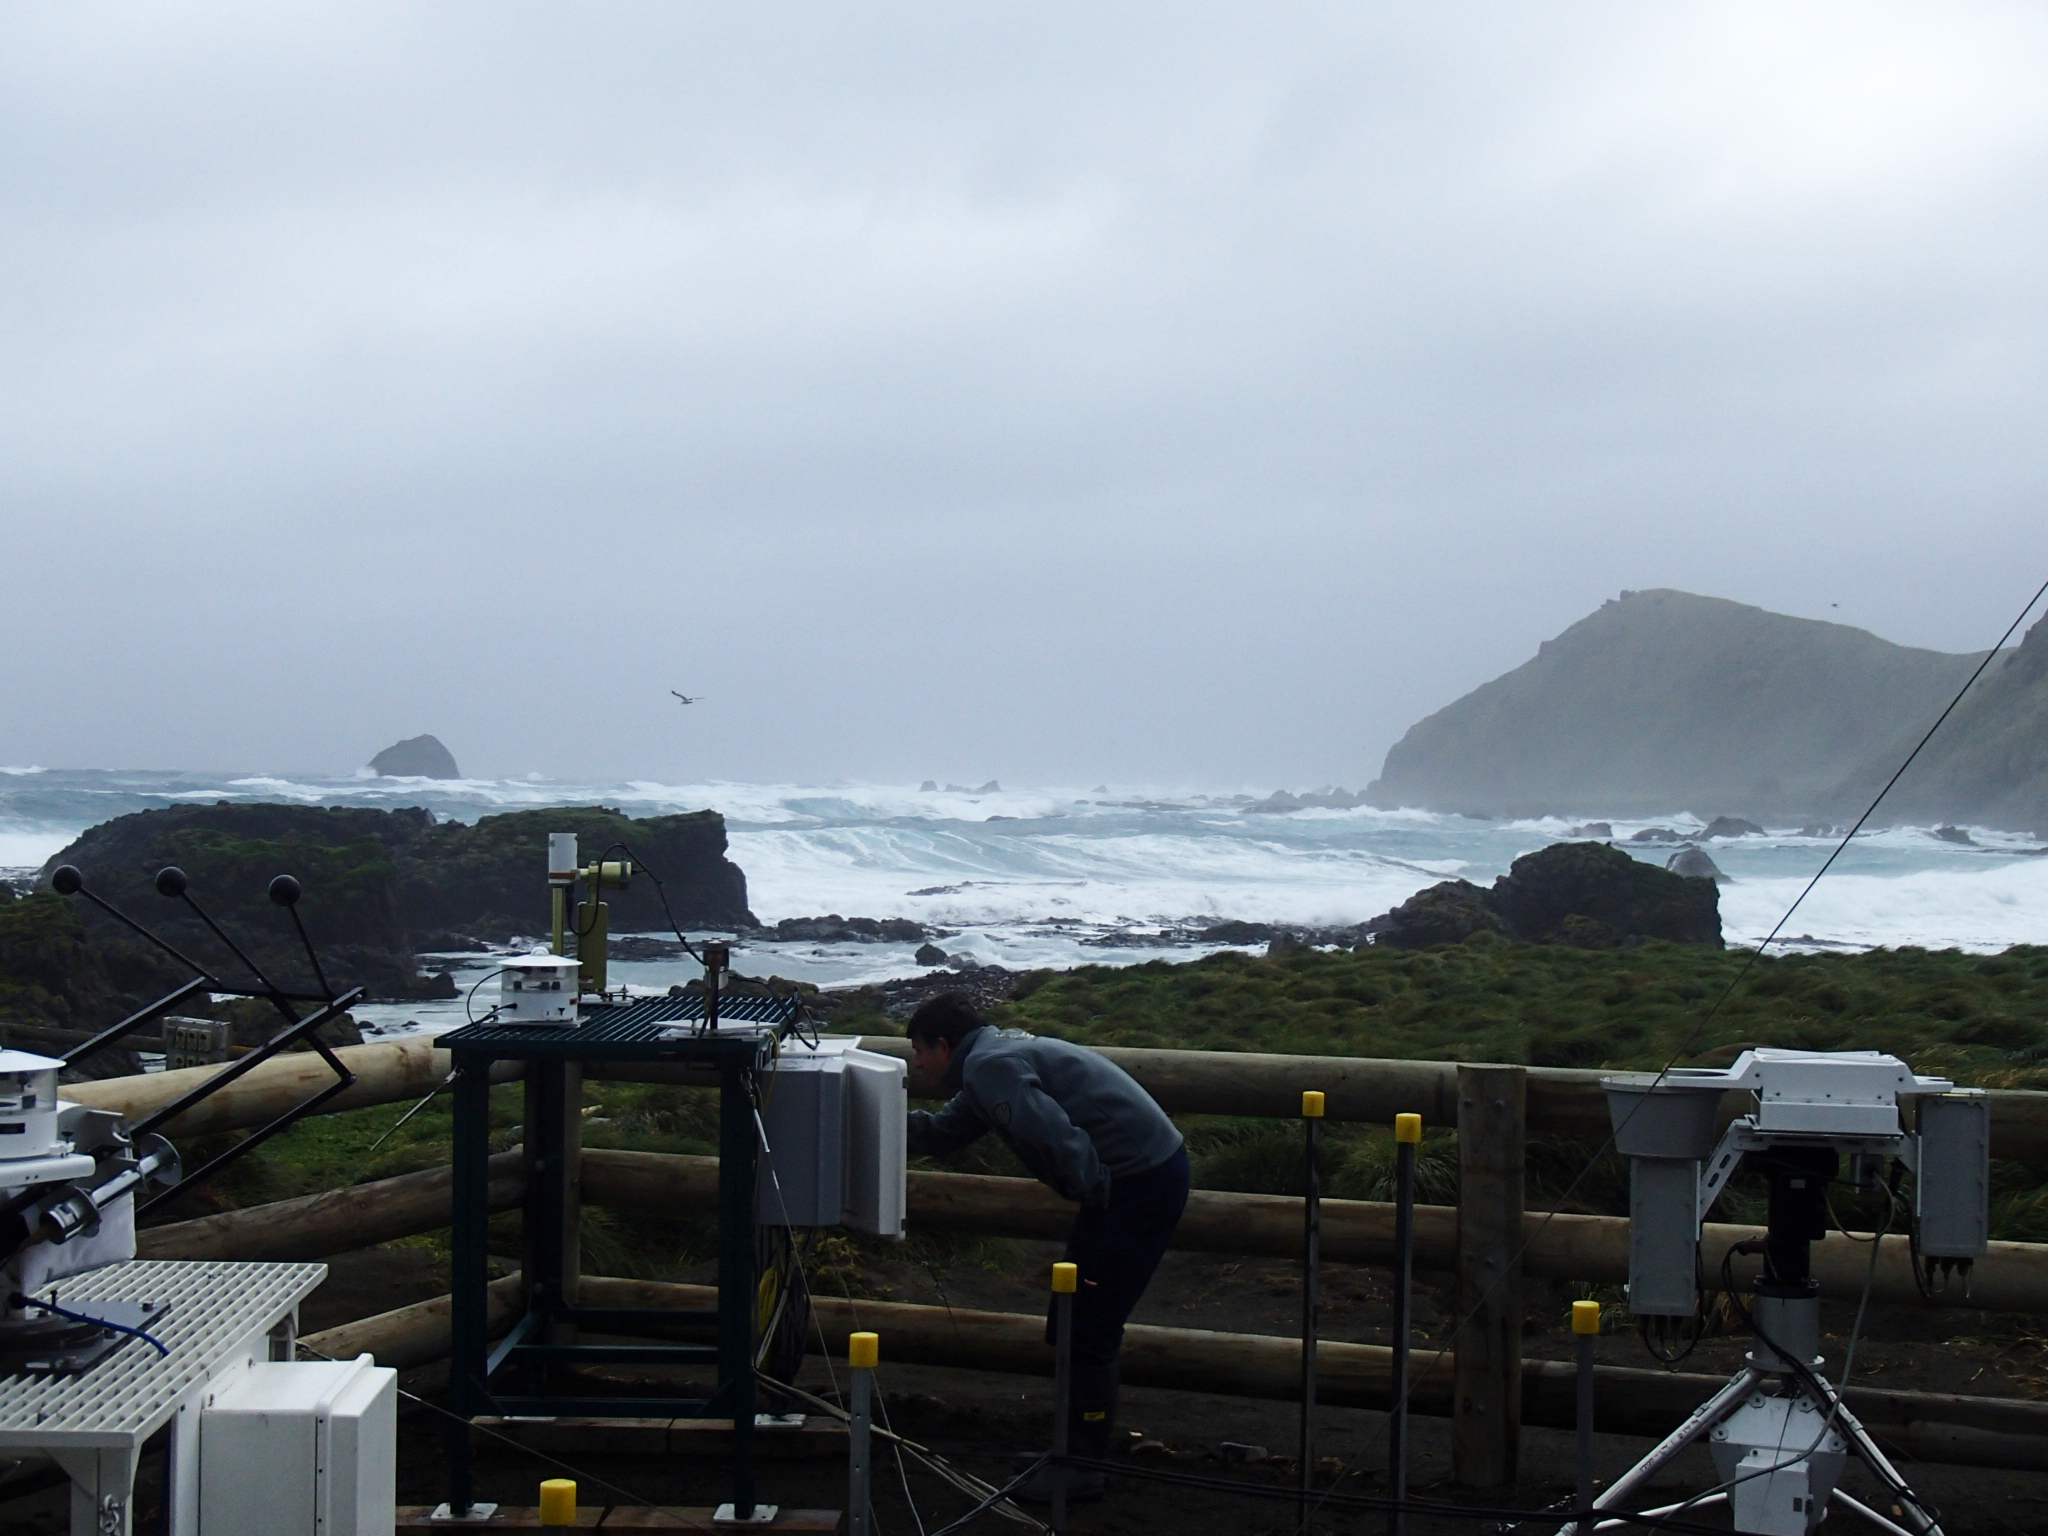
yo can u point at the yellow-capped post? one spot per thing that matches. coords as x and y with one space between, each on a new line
1311 1274
558 1504
863 1350
1585 1330
1066 1280
1407 1140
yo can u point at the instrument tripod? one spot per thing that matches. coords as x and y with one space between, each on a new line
1779 1432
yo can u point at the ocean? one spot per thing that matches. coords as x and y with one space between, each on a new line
1066 876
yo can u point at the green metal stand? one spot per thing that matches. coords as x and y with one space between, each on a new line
656 1030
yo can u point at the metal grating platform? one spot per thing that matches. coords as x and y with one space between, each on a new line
214 1307
649 1027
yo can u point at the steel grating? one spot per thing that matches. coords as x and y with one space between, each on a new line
651 1026
215 1307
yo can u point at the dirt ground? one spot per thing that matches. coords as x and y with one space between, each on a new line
980 1420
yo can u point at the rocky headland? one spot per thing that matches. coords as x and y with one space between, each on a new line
1663 700
381 888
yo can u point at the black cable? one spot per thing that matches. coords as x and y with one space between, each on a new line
661 891
1367 1501
468 1011
993 1499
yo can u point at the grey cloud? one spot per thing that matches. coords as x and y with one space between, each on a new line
1135 392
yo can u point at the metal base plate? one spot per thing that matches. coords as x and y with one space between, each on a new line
479 1512
50 1345
764 1514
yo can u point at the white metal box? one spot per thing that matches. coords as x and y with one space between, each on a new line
301 1448
832 1117
538 989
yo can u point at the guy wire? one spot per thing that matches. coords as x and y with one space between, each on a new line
1685 1045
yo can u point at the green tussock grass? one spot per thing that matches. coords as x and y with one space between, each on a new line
1976 1018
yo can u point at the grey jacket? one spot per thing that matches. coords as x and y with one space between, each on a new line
1075 1120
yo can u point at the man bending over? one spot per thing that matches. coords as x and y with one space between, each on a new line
1087 1129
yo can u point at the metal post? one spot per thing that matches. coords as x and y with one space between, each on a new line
1311 1262
862 1351
1585 1329
469 1327
737 1143
1066 1279
1407 1138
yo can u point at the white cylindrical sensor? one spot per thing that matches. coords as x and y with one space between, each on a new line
28 1104
561 858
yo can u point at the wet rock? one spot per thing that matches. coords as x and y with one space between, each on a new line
1235 933
1599 829
417 757
1655 835
1818 829
1949 834
928 787
930 954
1581 893
1731 826
1695 864
1447 913
834 929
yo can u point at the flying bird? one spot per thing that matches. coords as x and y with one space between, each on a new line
686 698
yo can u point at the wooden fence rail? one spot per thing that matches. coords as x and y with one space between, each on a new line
2013 1277
1561 1101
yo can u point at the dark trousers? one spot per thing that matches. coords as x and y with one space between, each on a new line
1116 1250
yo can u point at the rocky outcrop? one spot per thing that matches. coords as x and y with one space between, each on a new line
1661 701
1695 864
417 757
1569 893
380 885
834 929
1731 826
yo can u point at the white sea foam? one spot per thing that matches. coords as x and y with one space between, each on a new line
1028 874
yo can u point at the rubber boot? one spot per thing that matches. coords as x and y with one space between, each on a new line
1091 1422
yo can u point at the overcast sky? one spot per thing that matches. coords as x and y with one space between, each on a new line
1186 394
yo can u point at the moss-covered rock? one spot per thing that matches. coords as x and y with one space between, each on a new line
376 883
1586 894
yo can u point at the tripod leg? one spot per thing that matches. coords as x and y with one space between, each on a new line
1890 1528
1851 1429
1704 1418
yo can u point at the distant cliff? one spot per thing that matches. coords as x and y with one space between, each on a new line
1661 701
1989 764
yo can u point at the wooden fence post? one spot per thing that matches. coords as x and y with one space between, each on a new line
1486 1415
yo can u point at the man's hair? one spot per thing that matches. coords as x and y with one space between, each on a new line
948 1017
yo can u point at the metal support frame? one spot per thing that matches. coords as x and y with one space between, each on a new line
519 1376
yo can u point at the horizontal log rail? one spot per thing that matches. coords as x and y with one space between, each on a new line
387 1072
1943 1427
1562 1101
2013 1277
332 1221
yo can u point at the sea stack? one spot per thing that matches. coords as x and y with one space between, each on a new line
417 757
